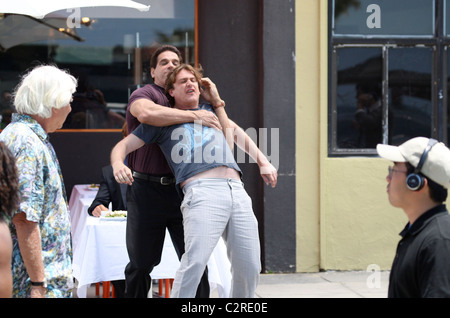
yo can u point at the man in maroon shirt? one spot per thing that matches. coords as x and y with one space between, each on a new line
153 203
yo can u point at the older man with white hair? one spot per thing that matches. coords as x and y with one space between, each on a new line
418 183
42 265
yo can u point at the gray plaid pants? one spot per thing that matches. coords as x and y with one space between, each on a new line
213 208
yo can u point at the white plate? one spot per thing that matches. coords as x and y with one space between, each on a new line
106 218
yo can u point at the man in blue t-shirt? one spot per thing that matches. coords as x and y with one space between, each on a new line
215 202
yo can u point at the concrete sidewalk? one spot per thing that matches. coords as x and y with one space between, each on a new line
330 284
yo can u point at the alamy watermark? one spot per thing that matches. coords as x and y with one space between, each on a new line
373 21
208 152
374 279
74 19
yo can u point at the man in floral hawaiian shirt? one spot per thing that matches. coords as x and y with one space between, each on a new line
41 260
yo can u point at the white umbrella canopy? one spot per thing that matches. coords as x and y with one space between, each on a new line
40 8
21 29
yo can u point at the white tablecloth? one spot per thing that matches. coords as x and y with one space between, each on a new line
99 251
80 200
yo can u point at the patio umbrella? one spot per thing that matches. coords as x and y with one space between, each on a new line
40 8
21 29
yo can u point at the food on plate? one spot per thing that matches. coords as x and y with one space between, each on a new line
116 214
94 186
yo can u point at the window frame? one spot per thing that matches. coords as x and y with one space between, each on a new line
439 45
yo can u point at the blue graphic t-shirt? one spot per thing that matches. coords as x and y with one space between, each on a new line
190 148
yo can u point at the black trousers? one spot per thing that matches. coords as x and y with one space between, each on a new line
152 207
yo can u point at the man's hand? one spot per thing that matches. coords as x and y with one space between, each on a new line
38 292
97 212
207 118
269 174
122 173
211 94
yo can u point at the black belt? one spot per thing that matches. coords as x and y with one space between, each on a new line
162 180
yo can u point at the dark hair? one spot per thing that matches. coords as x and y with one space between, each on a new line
9 184
437 192
161 49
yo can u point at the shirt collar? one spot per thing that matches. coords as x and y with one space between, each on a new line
423 220
32 123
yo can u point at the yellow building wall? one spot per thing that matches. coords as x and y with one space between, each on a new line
358 225
344 219
307 136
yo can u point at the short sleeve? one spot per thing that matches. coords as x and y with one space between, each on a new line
31 181
147 133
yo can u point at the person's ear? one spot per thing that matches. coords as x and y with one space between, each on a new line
152 72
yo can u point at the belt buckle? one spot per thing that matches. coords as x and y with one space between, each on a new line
165 181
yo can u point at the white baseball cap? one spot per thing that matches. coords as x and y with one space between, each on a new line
437 163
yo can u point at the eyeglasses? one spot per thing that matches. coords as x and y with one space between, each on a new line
391 170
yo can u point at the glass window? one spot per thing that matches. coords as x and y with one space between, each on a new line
358 100
392 87
383 17
106 48
366 114
447 17
410 101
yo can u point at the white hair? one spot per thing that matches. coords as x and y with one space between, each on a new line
43 88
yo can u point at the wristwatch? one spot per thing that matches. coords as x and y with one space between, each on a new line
43 283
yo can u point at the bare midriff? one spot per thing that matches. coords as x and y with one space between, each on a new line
218 172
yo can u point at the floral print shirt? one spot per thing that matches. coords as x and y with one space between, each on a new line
43 200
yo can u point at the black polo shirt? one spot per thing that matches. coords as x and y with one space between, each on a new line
421 266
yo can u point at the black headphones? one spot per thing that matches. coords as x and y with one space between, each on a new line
415 180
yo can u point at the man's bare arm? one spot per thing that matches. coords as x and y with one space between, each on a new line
6 247
211 94
226 126
121 172
148 112
267 170
29 238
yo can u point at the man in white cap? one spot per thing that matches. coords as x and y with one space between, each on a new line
418 183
